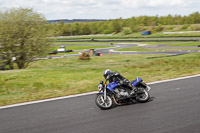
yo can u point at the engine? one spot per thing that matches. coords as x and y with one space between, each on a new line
121 93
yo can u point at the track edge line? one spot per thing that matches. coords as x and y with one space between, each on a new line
89 93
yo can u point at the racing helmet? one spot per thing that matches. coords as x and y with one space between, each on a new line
106 73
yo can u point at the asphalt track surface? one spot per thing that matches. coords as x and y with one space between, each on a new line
174 108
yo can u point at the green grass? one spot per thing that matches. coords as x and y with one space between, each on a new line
140 49
173 43
78 47
161 34
149 43
137 34
61 43
170 44
65 76
68 53
184 44
167 42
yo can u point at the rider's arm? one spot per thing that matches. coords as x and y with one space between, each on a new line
120 78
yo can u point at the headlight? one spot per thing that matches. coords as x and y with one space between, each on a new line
100 87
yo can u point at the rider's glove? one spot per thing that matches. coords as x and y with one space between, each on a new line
125 82
121 82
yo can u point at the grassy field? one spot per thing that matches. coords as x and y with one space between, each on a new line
179 45
78 47
173 43
138 34
65 76
140 49
61 43
170 44
75 47
184 44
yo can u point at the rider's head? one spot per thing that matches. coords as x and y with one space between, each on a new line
106 73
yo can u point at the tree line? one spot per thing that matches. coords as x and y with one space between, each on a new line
134 24
24 33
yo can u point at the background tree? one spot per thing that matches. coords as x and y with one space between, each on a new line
85 30
93 28
76 28
22 36
114 26
67 30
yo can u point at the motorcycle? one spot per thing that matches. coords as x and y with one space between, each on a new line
114 93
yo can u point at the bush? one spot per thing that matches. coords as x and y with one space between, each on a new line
158 28
150 28
185 26
126 31
169 28
195 27
136 28
25 28
177 28
107 32
84 56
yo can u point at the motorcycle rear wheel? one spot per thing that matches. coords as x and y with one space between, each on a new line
104 104
142 98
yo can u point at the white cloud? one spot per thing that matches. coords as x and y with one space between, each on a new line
69 9
153 3
165 3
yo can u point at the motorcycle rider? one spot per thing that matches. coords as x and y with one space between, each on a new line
115 76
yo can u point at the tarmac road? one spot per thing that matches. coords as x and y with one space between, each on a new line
161 46
174 108
111 50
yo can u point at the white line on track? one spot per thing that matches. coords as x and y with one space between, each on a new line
89 93
157 82
175 89
112 50
47 100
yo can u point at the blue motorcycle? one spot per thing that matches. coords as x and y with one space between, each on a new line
114 93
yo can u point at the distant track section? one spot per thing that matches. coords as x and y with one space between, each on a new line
130 40
79 38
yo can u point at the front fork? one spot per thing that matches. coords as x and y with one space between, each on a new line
105 92
148 88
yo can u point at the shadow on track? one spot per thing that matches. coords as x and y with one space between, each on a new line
132 103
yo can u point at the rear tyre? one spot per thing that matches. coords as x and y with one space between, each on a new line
104 104
144 97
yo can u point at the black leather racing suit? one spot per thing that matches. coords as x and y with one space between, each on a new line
115 76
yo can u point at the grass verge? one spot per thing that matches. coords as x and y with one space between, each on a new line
65 76
137 34
184 44
78 47
140 49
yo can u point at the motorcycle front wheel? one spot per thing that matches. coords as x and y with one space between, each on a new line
144 97
104 104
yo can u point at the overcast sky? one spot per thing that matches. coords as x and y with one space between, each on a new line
104 9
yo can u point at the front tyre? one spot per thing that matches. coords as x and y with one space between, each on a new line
143 97
104 104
